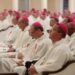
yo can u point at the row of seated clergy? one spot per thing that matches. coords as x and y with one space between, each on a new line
10 39
32 18
22 36
54 52
9 34
12 36
36 50
58 54
18 36
71 43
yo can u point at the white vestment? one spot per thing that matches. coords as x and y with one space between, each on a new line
22 39
36 51
71 43
54 59
39 48
5 66
12 35
32 20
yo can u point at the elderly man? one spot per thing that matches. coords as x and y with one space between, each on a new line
41 43
56 56
24 36
38 49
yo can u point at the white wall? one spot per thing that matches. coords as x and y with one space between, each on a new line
15 4
44 4
72 5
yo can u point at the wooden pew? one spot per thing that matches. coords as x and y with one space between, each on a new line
8 73
67 69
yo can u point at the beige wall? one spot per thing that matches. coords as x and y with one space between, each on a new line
51 5
5 4
35 4
55 5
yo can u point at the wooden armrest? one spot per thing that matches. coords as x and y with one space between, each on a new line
59 70
8 73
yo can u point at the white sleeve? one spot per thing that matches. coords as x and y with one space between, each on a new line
54 62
